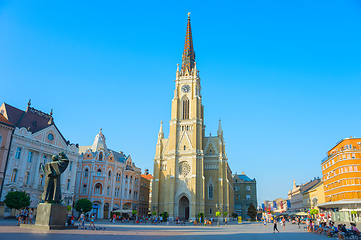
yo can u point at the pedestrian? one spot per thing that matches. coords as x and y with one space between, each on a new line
275 226
92 220
225 221
31 215
20 215
283 223
299 222
265 222
114 217
82 220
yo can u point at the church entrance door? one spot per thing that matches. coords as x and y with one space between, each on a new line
184 208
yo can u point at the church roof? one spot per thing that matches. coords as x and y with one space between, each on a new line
189 56
99 143
148 176
32 119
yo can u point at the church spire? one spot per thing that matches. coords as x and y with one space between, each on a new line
161 134
220 131
189 56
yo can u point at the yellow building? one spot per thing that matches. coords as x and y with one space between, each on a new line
191 171
313 197
341 171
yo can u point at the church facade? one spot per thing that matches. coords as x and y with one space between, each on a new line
191 171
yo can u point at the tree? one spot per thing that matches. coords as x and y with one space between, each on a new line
201 215
218 213
83 205
17 200
234 215
225 213
252 211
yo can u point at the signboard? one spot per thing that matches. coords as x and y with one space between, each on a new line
239 220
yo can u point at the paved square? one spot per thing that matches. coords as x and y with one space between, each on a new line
253 231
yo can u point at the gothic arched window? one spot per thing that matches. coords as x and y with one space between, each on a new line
185 104
86 173
100 156
109 175
99 172
210 191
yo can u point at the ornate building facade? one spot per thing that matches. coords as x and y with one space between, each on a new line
191 171
35 139
109 179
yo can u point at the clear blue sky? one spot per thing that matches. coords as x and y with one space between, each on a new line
284 76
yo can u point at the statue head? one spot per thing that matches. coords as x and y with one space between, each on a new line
55 158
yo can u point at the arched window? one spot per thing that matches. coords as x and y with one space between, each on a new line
184 147
185 104
210 210
86 173
126 178
100 156
210 191
14 175
99 172
98 188
131 179
109 175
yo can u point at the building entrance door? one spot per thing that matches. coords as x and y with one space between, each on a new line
184 208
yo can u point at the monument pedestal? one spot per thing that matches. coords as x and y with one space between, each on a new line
51 216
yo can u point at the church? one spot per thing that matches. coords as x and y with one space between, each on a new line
191 171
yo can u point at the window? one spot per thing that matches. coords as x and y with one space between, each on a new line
70 166
18 153
86 173
130 193
248 188
41 180
210 191
248 197
117 192
99 172
185 108
131 179
0 139
126 178
68 184
237 197
108 191
135 195
210 210
27 175
136 181
109 175
125 193
100 156
98 188
84 189
14 175
30 156
44 159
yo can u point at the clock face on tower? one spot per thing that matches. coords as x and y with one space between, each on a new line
186 88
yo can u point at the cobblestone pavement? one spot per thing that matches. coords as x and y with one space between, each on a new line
253 231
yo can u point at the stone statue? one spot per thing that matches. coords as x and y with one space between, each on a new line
52 171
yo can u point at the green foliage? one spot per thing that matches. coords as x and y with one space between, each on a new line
17 200
165 216
314 211
225 213
201 215
83 205
68 207
154 213
353 212
234 215
134 212
252 211
218 213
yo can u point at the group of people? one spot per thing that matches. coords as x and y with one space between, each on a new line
82 220
25 216
329 228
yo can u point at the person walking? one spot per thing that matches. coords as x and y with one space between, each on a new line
283 223
225 221
114 217
82 219
20 216
31 215
275 226
265 222
92 220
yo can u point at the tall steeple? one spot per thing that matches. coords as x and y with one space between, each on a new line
189 56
